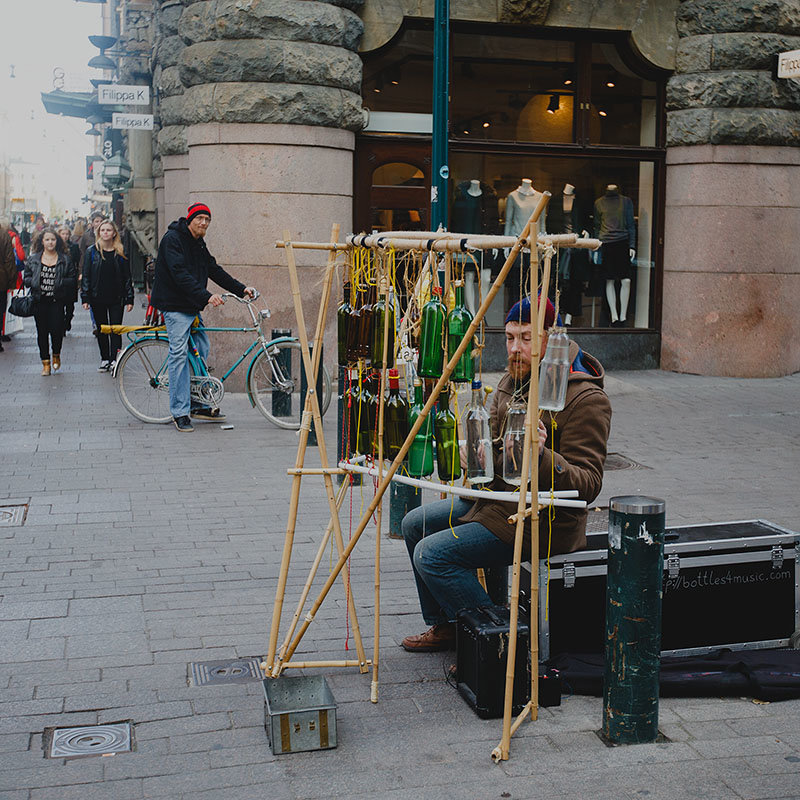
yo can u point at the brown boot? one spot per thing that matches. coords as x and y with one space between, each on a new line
56 362
45 366
438 637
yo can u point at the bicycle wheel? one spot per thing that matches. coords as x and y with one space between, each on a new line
273 383
142 380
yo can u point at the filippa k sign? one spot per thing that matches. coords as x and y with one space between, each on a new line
118 94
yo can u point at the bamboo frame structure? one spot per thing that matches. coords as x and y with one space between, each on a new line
436 242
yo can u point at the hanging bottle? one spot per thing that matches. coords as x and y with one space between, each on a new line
554 372
365 324
343 323
350 417
477 427
354 326
420 455
514 442
448 460
431 354
395 418
380 310
365 423
373 410
458 322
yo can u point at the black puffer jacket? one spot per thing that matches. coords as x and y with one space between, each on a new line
66 277
90 279
183 268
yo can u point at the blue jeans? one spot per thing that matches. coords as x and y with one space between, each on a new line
178 330
445 560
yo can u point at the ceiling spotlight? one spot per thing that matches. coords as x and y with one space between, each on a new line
568 82
610 84
554 104
486 124
394 76
378 88
602 113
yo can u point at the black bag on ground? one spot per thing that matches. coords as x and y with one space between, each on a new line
22 305
762 674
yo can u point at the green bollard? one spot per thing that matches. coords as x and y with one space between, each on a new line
633 619
402 499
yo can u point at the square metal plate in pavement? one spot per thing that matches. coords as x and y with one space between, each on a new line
12 516
90 740
239 670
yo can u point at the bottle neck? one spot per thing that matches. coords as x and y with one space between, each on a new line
459 295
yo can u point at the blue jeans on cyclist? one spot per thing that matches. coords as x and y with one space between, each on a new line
179 327
445 561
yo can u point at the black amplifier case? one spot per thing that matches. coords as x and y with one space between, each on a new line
732 584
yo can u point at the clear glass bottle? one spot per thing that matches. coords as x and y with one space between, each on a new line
420 455
554 371
381 308
458 321
514 442
395 418
445 429
431 354
477 427
343 323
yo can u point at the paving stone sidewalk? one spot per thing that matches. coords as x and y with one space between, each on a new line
144 551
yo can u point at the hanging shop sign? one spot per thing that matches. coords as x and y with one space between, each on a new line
141 122
119 95
789 64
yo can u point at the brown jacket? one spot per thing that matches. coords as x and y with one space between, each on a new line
8 266
581 434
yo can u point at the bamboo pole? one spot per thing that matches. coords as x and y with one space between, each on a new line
395 465
316 471
319 664
294 501
373 694
529 465
317 415
313 571
444 242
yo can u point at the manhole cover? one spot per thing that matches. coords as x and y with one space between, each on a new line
91 740
12 516
240 670
619 461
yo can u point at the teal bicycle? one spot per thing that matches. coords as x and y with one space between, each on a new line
273 380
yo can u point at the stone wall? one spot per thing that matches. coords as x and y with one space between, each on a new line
731 272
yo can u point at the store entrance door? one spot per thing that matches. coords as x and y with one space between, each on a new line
392 185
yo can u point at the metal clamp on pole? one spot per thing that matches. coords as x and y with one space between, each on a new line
633 619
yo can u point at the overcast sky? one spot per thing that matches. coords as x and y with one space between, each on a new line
38 37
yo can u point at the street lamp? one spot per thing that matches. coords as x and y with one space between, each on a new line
102 43
116 172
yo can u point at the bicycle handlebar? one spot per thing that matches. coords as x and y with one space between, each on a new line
255 296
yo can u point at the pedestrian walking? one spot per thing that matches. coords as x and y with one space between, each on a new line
90 235
183 268
106 287
8 273
52 279
75 256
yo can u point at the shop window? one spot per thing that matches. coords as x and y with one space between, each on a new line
581 201
623 106
398 198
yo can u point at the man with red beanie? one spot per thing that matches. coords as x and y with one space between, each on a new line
183 268
445 560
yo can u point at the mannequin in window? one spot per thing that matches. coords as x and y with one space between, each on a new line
615 227
520 204
475 211
569 215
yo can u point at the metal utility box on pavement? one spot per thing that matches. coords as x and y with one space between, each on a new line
299 714
730 584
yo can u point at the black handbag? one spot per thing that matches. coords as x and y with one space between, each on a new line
22 305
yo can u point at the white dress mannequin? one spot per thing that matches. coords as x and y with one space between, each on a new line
472 301
520 204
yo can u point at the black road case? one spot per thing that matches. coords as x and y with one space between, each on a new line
481 658
731 584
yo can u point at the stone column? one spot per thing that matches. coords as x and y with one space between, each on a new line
731 270
271 101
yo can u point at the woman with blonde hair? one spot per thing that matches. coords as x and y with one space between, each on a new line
106 287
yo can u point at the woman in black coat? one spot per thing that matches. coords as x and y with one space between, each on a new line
52 278
106 287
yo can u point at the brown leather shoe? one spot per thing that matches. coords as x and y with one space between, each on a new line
438 637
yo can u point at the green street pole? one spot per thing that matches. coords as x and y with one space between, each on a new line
440 171
633 619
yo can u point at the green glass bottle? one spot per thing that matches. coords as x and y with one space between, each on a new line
395 418
458 322
365 423
342 324
420 455
446 432
373 408
365 324
431 354
354 325
350 401
383 307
